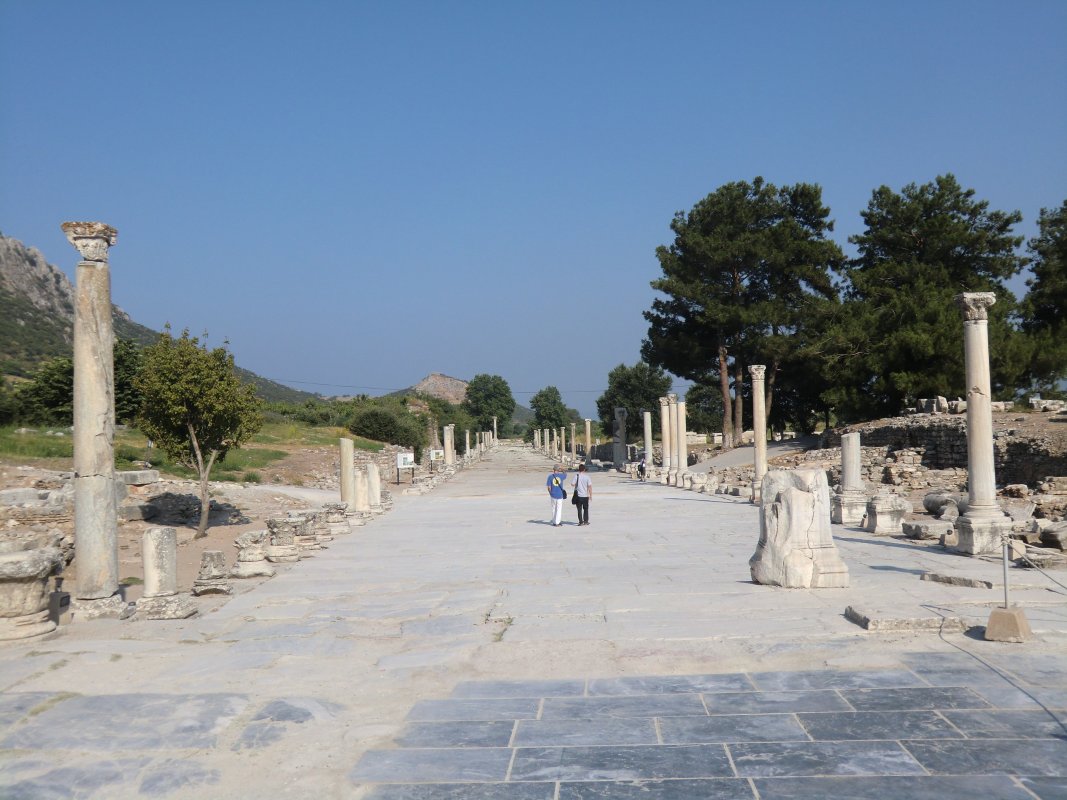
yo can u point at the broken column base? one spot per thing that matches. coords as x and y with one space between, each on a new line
26 626
848 508
1008 625
174 606
975 535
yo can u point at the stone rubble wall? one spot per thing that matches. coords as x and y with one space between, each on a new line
942 442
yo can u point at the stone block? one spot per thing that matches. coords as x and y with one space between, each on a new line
138 477
1055 535
170 607
796 549
22 497
848 508
130 512
926 530
886 513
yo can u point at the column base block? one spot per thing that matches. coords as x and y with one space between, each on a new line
1008 625
976 535
848 509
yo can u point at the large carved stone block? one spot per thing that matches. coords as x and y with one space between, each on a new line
796 549
886 513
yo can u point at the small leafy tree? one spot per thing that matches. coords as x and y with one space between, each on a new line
637 388
194 406
548 408
48 397
490 396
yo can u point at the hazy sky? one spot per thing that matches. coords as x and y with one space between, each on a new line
356 194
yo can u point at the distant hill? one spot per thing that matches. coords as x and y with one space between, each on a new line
454 390
37 319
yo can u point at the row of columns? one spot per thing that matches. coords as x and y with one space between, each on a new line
553 442
672 426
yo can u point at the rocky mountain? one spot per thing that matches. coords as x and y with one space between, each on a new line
447 388
37 319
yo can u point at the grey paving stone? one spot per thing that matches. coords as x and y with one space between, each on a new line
673 684
129 722
777 760
75 780
1005 695
1047 788
885 725
465 791
938 697
836 679
488 709
709 789
775 702
620 763
1037 669
563 688
731 728
1033 757
670 705
890 788
1001 724
494 733
176 775
602 731
15 706
436 764
259 734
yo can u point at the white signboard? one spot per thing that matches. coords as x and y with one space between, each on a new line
405 460
437 455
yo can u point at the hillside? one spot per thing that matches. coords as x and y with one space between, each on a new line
454 390
37 319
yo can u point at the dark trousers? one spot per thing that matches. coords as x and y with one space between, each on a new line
583 509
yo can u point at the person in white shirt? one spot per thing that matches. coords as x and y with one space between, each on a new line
583 492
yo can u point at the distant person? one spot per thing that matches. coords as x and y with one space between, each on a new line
557 493
641 468
583 491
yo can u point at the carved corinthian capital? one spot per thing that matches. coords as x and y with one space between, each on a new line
92 239
672 398
664 402
973 305
757 371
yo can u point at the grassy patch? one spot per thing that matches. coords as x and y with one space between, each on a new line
38 444
252 477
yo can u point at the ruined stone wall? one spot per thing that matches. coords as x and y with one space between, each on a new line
941 442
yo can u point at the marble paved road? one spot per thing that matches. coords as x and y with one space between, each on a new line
461 647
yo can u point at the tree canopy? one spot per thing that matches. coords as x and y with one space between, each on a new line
750 265
637 388
489 396
1046 302
921 247
194 406
549 410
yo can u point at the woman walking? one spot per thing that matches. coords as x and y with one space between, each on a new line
583 491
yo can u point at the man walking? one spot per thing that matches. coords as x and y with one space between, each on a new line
583 491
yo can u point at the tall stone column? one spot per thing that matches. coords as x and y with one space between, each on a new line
467 443
759 427
665 436
536 439
849 502
348 472
672 422
360 493
495 434
646 417
682 456
618 448
562 442
374 487
980 528
450 454
95 513
574 442
588 439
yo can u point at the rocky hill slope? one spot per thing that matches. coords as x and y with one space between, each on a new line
37 319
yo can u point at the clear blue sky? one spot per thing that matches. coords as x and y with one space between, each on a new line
358 193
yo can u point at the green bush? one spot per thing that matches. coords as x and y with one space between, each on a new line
252 477
385 425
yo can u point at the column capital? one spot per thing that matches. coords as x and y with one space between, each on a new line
664 402
973 305
91 239
757 371
672 398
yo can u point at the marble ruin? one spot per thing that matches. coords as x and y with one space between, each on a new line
759 427
160 598
796 549
849 502
213 575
